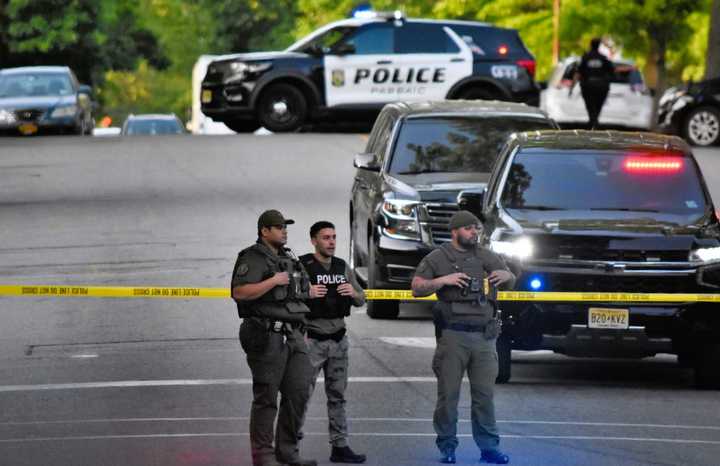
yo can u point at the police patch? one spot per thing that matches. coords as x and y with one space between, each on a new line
338 78
242 270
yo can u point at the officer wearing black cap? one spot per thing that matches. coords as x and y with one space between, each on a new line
468 328
269 285
594 73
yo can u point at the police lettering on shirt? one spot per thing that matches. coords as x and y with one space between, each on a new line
328 279
398 80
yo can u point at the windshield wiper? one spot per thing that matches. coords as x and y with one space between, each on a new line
625 209
537 207
419 172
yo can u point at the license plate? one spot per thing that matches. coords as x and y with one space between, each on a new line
28 128
206 97
599 317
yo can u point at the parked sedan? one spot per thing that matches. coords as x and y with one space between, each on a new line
693 111
43 99
152 124
629 103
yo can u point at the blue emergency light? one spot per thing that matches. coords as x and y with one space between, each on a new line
536 284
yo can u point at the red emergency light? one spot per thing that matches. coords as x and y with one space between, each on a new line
640 164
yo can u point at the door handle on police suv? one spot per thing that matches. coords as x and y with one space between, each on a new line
384 62
457 60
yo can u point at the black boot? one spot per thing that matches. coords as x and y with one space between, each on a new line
448 457
494 457
346 455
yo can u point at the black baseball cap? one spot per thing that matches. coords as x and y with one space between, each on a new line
463 218
271 218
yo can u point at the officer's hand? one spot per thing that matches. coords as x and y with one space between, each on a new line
281 279
458 279
498 277
346 289
317 291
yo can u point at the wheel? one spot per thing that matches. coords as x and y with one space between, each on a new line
81 130
242 126
379 309
282 108
478 93
707 367
702 126
504 352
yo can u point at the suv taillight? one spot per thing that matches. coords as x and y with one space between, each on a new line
529 65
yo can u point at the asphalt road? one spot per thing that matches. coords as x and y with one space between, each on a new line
151 382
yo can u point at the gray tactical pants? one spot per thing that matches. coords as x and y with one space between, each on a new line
279 364
331 357
456 353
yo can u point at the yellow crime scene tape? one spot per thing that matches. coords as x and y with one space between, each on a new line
77 291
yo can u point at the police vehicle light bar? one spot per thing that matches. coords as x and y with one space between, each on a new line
653 164
370 14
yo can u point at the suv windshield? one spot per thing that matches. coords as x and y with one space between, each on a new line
460 144
322 40
603 180
153 127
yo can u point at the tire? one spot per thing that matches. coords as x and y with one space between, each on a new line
282 108
504 352
702 126
242 126
707 367
354 258
82 129
479 93
379 309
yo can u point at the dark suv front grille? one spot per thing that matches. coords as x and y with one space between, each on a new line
619 283
438 220
30 114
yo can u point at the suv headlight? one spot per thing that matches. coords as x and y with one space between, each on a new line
66 111
705 255
521 248
7 116
241 70
401 220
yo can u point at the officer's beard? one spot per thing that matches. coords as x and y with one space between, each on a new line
467 243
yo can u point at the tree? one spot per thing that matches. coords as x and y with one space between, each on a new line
713 48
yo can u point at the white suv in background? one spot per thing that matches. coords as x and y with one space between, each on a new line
629 103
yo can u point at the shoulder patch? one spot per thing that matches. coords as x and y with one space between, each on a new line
242 269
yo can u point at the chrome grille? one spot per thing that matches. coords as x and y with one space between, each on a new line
438 219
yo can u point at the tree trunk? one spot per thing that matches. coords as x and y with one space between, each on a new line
712 69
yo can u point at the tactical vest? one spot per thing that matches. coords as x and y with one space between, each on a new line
475 293
333 305
288 296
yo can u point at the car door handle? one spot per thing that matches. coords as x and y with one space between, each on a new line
384 62
457 60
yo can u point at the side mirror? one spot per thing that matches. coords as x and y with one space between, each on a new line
366 161
85 89
472 200
344 49
315 50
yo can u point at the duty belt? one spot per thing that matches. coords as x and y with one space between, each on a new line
460 327
337 336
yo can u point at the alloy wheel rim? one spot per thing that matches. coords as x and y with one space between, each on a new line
704 128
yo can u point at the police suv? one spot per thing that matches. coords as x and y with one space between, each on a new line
349 69
603 212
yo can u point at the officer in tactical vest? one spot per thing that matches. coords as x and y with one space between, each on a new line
269 285
595 73
336 289
467 329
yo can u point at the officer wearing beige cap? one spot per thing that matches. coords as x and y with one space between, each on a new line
467 331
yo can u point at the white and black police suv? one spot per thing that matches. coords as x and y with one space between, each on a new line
349 69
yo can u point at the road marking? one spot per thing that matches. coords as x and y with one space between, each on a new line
187 382
415 342
362 419
358 434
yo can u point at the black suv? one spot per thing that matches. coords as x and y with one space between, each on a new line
350 69
421 161
692 111
608 211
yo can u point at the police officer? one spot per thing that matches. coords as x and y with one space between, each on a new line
268 285
594 73
468 328
336 288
